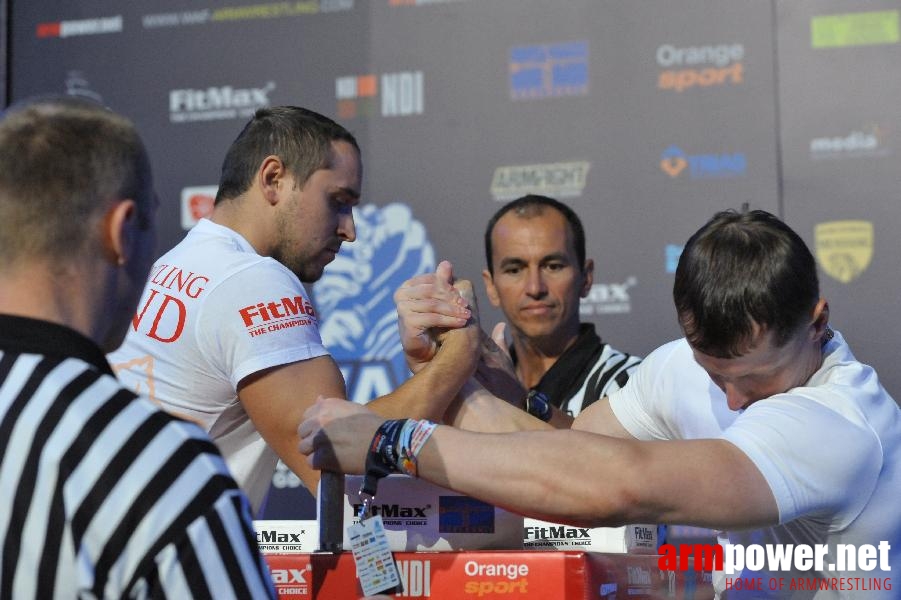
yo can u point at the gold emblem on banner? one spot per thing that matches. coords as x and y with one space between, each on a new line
673 165
844 248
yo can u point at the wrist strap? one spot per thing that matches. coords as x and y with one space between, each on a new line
381 460
413 437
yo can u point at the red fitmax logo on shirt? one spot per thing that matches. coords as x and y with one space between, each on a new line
263 312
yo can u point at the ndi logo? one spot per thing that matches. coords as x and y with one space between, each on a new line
355 298
674 162
390 95
549 70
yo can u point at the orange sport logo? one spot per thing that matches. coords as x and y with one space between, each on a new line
700 66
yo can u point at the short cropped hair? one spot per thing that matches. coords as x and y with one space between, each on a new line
742 270
530 206
301 138
62 160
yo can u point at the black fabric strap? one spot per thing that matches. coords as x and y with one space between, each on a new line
381 460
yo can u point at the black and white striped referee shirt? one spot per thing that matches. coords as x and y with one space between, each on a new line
102 494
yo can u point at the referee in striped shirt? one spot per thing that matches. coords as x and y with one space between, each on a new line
102 494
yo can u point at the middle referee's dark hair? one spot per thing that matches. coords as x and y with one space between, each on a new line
533 205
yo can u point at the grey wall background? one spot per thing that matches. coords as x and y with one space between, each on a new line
645 116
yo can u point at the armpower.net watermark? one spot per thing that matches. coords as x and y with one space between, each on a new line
806 567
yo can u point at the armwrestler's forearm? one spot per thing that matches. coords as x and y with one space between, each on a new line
594 480
430 391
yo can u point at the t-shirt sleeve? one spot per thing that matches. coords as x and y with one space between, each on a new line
636 405
814 459
258 318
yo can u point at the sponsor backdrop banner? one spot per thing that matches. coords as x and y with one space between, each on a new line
646 117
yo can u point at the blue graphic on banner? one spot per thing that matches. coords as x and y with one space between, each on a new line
673 252
549 70
461 514
674 162
356 298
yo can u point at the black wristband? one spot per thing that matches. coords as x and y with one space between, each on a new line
381 460
538 405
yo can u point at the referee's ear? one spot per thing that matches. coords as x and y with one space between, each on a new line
119 229
587 277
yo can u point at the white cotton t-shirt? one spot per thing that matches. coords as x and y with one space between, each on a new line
212 313
830 452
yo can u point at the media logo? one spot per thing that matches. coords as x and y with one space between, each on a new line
674 162
217 103
389 95
872 28
196 203
356 296
608 298
558 180
64 29
700 66
549 70
866 142
672 252
844 249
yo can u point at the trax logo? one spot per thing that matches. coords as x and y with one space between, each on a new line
394 511
214 98
274 537
288 576
555 533
266 311
674 161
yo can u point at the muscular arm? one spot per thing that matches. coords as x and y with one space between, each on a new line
275 399
568 476
594 480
